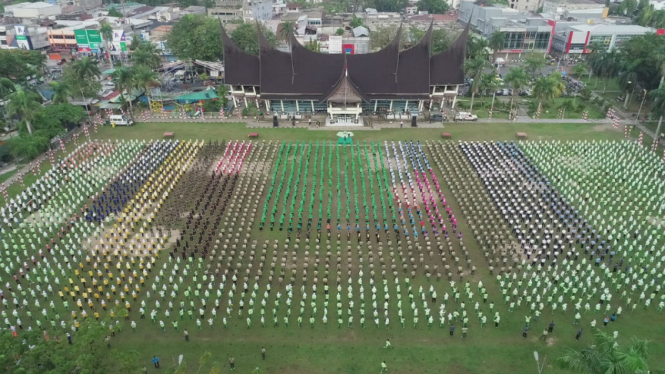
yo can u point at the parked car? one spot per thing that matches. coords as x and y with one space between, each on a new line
525 92
120 120
437 117
504 92
465 116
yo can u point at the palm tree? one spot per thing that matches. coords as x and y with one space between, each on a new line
6 88
609 65
517 78
627 80
146 56
606 356
658 107
496 42
476 48
145 78
474 70
579 70
25 105
106 30
490 83
123 78
287 28
534 62
548 88
223 92
86 69
61 92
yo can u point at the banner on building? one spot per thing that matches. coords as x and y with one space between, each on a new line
119 43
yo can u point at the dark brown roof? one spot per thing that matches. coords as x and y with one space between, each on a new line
385 74
447 67
245 68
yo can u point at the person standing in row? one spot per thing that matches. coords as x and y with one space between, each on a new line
186 335
263 353
232 363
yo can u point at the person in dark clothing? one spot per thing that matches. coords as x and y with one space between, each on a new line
525 332
579 333
155 361
452 330
550 329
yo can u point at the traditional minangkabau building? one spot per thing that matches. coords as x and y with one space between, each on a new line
345 86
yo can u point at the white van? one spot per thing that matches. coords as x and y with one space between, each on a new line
120 120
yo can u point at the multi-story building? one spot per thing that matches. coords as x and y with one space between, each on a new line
524 32
226 13
38 10
256 10
563 9
576 39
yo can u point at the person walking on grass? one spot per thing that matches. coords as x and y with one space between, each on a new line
263 353
579 333
186 335
452 330
525 332
464 331
384 367
108 341
387 344
232 363
550 328
155 361
544 336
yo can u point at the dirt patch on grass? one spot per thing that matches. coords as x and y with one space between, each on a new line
604 127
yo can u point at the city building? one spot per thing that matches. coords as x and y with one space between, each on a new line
226 13
576 39
344 86
36 10
564 9
524 32
258 10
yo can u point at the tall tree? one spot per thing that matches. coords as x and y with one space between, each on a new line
579 70
476 48
196 37
85 69
123 78
534 62
246 37
106 31
548 88
61 92
287 27
474 69
146 54
518 79
606 356
496 42
6 88
145 78
380 37
25 105
658 107
433 6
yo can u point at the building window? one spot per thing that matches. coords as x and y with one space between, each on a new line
542 40
514 40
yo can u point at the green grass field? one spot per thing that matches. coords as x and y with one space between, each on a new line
329 348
